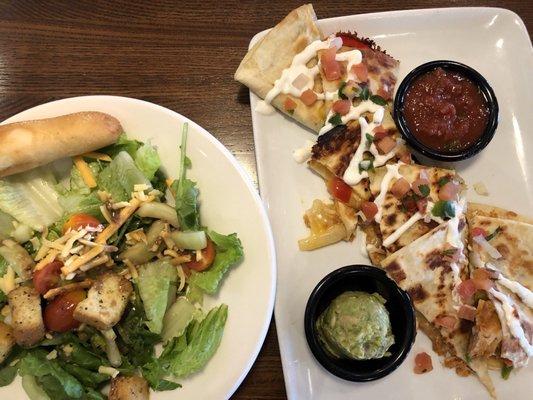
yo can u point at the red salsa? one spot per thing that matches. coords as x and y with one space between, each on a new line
445 110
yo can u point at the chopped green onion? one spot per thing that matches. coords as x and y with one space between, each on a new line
443 181
341 88
493 234
506 371
443 209
335 120
424 190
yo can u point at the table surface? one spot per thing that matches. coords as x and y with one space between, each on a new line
181 55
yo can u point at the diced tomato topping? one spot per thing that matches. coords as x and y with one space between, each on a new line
300 82
478 232
289 104
423 363
341 107
349 41
480 273
483 283
481 278
466 290
339 189
416 186
380 132
308 97
507 362
386 93
79 221
331 67
369 209
59 313
361 72
422 205
467 312
447 321
386 145
208 256
47 277
449 191
400 188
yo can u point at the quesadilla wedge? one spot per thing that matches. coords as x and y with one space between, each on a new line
411 200
501 260
431 269
274 55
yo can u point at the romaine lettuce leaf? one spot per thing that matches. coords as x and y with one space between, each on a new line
147 160
190 352
177 318
76 202
119 177
6 225
35 363
122 144
228 253
134 339
202 342
31 199
156 281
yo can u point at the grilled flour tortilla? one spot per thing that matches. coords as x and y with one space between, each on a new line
266 60
29 144
430 269
505 251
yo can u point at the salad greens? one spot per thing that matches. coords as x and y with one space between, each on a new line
228 253
163 251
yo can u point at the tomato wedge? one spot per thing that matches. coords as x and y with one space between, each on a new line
208 255
339 189
478 232
79 221
47 277
58 314
350 41
369 209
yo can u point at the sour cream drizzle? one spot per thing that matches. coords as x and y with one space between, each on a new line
521 291
354 113
303 154
512 321
393 171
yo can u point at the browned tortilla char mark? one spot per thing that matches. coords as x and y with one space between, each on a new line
417 293
435 260
396 272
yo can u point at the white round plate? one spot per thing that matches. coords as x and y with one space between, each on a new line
229 203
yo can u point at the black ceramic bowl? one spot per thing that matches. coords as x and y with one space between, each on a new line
485 90
372 280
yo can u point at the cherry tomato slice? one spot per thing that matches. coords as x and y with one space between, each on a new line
78 221
208 255
339 189
47 277
58 314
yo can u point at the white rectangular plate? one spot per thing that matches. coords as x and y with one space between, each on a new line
494 42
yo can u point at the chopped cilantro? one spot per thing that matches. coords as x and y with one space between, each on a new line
341 88
468 359
369 138
365 93
493 234
449 252
443 181
424 190
335 120
506 371
378 100
443 209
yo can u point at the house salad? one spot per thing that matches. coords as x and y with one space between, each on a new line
99 266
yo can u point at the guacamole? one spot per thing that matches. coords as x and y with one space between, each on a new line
356 325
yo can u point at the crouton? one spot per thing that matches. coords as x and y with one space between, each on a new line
26 316
129 388
6 341
105 302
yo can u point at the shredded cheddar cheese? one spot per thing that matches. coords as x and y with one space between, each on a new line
85 171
